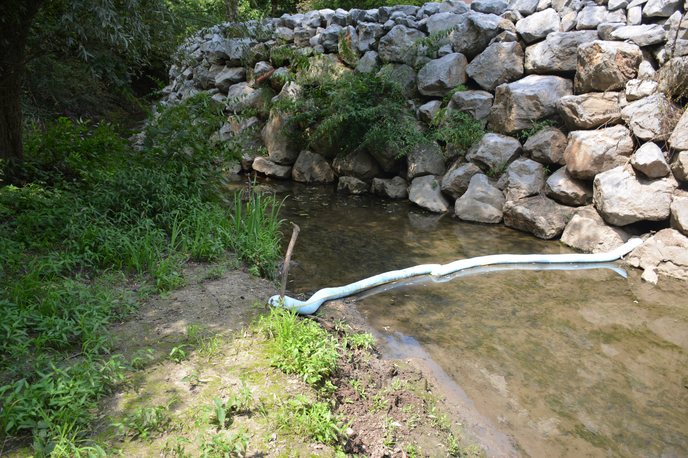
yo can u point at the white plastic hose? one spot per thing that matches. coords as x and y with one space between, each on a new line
436 270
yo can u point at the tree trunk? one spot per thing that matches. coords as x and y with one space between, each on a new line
14 31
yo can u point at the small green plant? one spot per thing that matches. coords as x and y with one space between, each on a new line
379 403
452 127
313 420
448 97
224 445
363 340
525 134
390 426
358 387
143 422
176 447
498 171
178 354
412 451
213 273
141 358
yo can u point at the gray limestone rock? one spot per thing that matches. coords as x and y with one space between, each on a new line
588 232
443 21
312 168
329 37
642 35
475 103
590 17
623 198
661 8
524 178
525 7
605 29
402 74
395 188
665 253
455 181
606 66
519 104
494 151
638 89
679 166
590 152
453 6
481 203
440 76
425 192
679 213
425 159
652 118
369 34
368 62
500 63
270 169
394 46
279 146
228 77
650 160
679 137
490 6
205 77
352 185
558 53
539 25
563 187
592 110
302 36
537 215
428 110
358 164
547 146
473 35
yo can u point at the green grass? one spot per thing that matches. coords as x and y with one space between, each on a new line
83 214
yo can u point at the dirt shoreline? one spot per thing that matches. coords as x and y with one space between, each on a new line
230 302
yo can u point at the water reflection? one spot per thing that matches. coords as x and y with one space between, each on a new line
571 363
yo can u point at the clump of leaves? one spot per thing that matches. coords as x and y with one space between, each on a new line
452 127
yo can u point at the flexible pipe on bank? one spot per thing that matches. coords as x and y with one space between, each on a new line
436 270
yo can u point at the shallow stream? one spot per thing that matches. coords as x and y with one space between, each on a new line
570 363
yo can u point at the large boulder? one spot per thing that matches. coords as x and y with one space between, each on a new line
475 103
679 213
650 160
679 137
665 253
661 8
563 187
547 146
588 111
652 118
588 232
481 203
228 77
394 46
425 159
622 197
438 77
525 7
680 166
368 62
312 168
279 146
494 151
538 215
538 25
425 192
243 134
519 104
428 111
455 181
590 152
490 6
500 63
369 33
558 53
673 77
352 185
443 21
358 164
524 178
395 188
473 35
388 158
606 65
271 169
642 35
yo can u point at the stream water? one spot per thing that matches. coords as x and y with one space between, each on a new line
571 363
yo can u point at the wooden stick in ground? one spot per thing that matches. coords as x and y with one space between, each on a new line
287 259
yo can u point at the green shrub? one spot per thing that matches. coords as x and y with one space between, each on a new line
354 111
456 128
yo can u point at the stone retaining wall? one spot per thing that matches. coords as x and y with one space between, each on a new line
612 73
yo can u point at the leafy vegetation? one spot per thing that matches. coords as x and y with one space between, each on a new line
86 213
